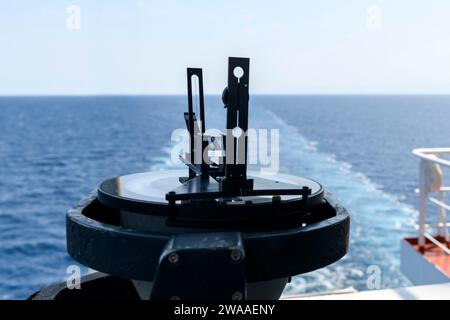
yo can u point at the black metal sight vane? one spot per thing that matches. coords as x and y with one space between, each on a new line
208 180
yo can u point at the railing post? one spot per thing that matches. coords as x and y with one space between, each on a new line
423 191
443 230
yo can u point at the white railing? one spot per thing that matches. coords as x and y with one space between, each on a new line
431 182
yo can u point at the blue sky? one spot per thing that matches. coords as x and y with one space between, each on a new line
298 47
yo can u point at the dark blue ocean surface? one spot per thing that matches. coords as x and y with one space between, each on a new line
55 150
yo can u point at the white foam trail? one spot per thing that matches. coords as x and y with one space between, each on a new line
379 219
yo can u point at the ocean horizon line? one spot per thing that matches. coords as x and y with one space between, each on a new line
49 95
